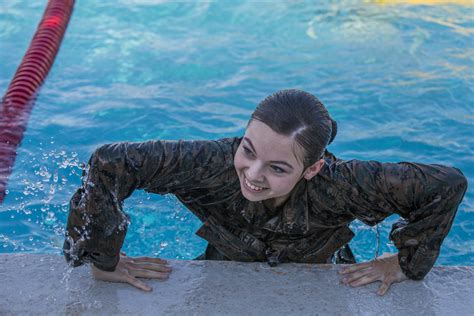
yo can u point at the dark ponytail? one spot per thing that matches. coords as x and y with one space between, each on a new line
301 115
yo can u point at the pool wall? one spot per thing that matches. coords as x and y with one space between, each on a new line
43 284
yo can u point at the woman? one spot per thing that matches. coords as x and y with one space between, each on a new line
274 195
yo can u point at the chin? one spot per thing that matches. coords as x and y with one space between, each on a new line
252 198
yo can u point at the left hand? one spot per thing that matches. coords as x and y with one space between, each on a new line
129 269
384 268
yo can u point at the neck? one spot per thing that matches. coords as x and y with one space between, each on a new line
273 204
279 201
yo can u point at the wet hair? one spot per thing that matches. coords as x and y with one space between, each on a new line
301 115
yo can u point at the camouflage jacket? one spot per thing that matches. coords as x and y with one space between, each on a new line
309 227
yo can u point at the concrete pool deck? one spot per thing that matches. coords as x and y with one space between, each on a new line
42 284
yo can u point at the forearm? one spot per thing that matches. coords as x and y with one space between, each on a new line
96 224
425 196
420 235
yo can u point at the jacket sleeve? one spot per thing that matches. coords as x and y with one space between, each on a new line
97 225
425 196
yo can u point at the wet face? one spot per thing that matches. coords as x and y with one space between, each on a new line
269 165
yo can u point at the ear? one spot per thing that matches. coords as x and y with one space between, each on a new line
313 170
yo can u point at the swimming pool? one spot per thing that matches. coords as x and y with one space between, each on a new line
397 78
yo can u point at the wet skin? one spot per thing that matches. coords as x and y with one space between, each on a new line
129 270
385 269
269 165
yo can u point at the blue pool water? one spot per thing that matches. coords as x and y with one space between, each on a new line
397 78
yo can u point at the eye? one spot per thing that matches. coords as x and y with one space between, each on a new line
247 151
277 169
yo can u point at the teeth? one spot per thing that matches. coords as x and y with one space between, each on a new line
253 187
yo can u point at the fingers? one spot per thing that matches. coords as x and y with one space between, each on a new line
354 276
384 288
149 274
147 263
355 267
366 279
370 278
151 266
384 268
150 260
138 284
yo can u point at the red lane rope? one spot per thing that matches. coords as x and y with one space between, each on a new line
19 98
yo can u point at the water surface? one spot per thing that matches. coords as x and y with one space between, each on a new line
397 78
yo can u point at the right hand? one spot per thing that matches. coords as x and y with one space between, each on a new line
129 269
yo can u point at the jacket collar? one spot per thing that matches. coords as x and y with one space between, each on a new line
292 219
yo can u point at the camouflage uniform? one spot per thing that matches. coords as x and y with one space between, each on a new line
310 227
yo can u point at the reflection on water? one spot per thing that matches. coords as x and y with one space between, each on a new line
398 79
423 2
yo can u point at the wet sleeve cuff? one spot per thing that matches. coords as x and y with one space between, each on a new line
76 255
416 262
104 262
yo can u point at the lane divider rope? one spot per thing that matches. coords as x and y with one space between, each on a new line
18 101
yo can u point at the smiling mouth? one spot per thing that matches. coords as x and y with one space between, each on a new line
252 187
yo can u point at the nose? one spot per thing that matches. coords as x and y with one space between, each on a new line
254 173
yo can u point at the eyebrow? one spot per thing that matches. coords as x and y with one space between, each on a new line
273 161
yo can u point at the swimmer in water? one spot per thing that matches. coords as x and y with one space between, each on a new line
274 195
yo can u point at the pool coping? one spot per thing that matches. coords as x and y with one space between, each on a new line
44 284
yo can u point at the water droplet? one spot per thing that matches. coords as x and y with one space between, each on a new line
50 218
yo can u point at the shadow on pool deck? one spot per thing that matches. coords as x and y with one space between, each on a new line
41 284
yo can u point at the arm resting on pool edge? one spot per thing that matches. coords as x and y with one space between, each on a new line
97 225
425 196
418 236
